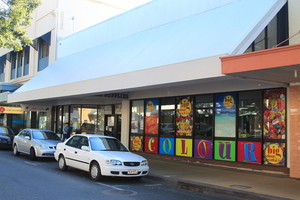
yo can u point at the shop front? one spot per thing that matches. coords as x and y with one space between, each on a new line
246 127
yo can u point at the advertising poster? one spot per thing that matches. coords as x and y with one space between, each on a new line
274 114
250 152
225 115
151 118
274 154
225 150
184 147
203 149
151 144
136 143
184 116
166 146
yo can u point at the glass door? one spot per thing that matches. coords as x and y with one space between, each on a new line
113 126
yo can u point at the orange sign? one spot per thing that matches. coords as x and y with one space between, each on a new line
228 101
11 110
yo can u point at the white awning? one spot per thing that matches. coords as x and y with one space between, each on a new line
186 49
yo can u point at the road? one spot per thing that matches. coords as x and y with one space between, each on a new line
23 179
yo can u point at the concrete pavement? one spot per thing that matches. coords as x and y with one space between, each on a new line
229 181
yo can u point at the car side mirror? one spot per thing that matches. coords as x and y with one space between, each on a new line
85 148
27 137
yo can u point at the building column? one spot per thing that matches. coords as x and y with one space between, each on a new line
125 122
294 129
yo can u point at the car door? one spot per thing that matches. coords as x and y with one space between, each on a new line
83 155
21 141
70 152
27 141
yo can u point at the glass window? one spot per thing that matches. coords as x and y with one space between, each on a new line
151 118
106 144
44 135
167 117
19 63
43 56
204 116
184 116
74 142
75 118
272 33
137 117
249 118
26 60
2 68
13 65
274 114
88 119
100 122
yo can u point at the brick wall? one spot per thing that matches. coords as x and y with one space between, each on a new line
294 116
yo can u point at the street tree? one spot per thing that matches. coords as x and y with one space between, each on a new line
15 16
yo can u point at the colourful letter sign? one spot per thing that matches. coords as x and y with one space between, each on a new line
203 149
274 154
166 146
151 144
184 147
225 150
249 152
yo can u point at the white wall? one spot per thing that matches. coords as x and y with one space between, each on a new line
294 22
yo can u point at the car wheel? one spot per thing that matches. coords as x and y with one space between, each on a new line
32 154
95 171
62 163
16 152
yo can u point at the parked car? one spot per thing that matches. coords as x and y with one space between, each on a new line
100 156
36 143
6 137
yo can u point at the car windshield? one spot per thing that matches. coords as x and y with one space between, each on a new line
106 144
44 135
6 131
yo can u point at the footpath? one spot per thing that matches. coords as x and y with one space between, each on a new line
222 180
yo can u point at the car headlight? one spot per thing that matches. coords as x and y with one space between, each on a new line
42 146
144 163
114 162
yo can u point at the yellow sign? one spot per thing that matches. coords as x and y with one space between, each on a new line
11 110
274 153
228 102
184 147
185 107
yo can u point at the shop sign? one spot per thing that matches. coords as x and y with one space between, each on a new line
40 108
11 110
151 144
203 149
184 117
184 147
166 146
225 150
274 154
250 152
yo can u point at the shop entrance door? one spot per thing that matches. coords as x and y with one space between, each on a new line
113 126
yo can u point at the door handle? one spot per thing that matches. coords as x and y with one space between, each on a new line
64 149
75 152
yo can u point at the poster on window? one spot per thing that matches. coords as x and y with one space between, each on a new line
184 116
225 150
203 149
166 146
151 144
274 114
184 147
250 152
274 154
136 143
225 115
151 118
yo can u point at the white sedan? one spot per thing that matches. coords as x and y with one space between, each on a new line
100 156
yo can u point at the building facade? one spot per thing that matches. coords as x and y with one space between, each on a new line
214 81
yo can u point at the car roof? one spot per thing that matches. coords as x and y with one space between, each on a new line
36 129
94 135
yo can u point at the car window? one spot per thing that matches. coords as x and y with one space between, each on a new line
106 144
6 131
44 135
74 142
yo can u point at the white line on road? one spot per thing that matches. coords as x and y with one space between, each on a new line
113 187
153 185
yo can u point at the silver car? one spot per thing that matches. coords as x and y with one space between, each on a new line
36 143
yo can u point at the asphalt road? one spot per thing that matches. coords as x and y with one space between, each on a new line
23 179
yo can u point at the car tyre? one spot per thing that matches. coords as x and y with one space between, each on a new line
95 171
62 163
32 154
15 150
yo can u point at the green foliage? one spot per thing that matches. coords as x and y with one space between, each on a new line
13 21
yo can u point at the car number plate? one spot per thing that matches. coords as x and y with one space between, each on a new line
132 171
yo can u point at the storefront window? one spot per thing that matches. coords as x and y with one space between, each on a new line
88 119
204 116
100 122
184 116
225 111
167 117
274 114
151 117
249 119
137 117
44 119
75 118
